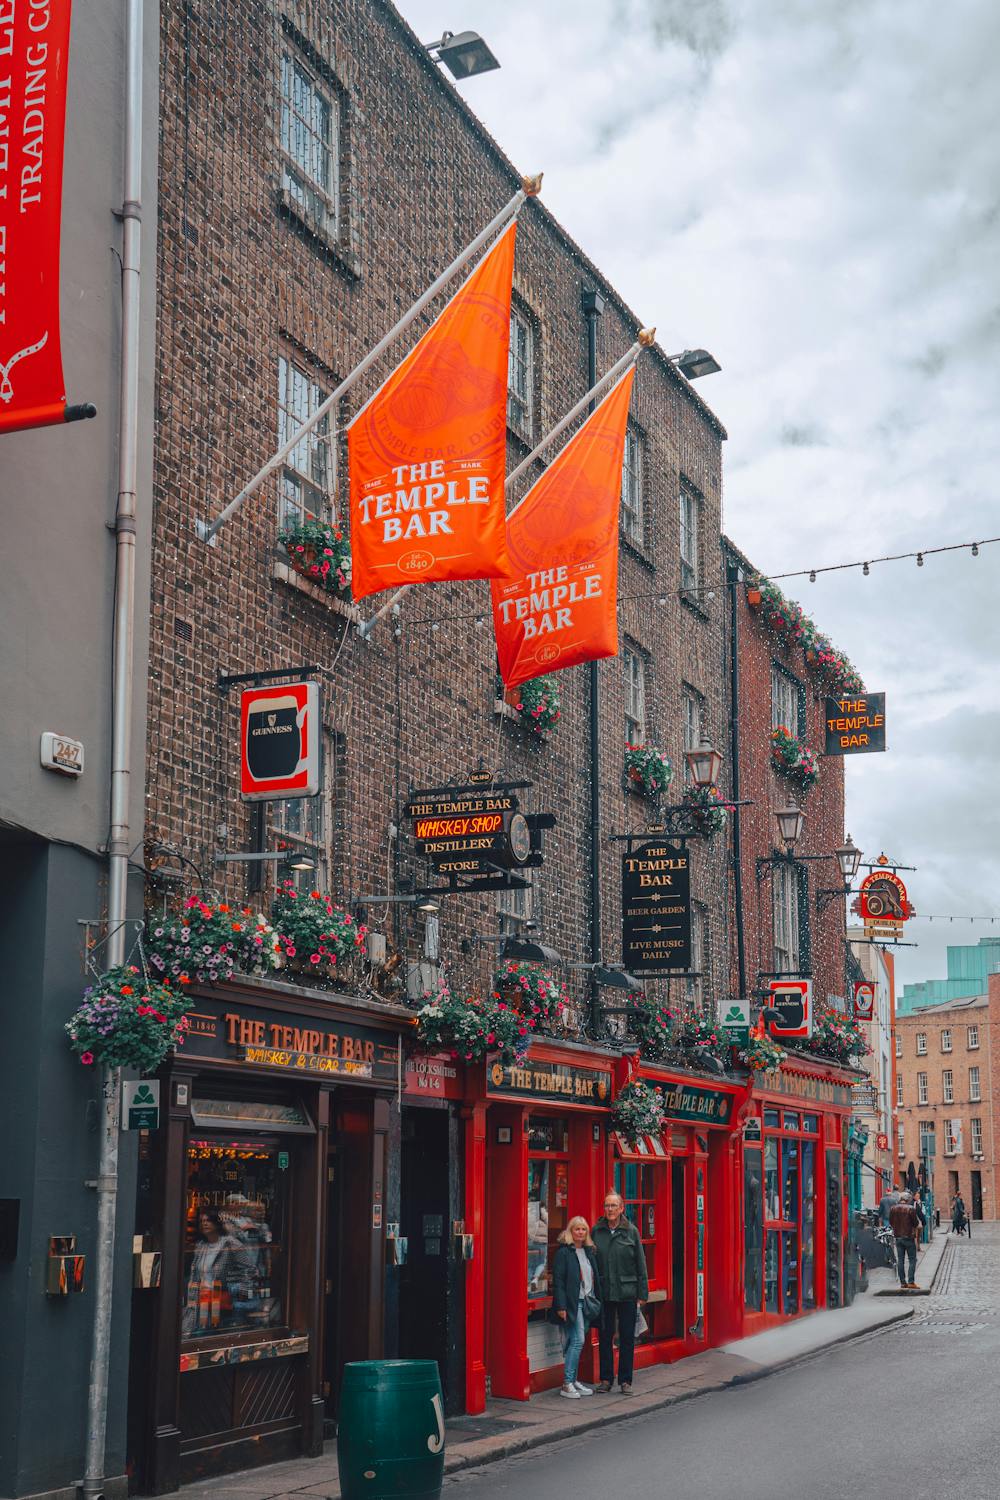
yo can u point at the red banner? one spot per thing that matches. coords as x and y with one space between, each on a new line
34 50
563 543
428 452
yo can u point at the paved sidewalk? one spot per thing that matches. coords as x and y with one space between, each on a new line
509 1427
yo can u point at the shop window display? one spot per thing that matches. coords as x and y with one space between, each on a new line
643 1188
787 1167
753 1228
235 1263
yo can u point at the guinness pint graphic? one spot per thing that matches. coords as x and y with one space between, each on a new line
280 741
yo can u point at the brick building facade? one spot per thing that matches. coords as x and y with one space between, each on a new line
948 1088
788 926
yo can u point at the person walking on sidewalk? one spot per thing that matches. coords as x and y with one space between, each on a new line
576 1299
958 1219
622 1263
905 1224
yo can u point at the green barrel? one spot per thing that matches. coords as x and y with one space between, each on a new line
390 1430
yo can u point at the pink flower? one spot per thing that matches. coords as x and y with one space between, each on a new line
86 1058
314 958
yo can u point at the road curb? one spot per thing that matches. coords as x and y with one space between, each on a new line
524 1442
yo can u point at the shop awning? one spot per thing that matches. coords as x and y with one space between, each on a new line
646 1148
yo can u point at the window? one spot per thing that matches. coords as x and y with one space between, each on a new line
310 144
945 1039
235 1255
921 1088
952 1137
786 697
899 1088
925 1137
548 1198
695 987
632 520
921 1044
899 1045
643 1191
516 907
977 1136
306 475
948 1086
785 903
974 1089
692 707
519 375
901 1138
634 669
972 1037
689 540
300 824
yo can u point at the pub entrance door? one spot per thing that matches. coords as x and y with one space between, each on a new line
977 1195
430 1309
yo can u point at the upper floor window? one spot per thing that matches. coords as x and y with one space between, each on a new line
310 143
974 1085
921 1088
306 474
634 671
301 825
972 1037
516 906
693 710
689 540
697 985
899 1045
899 1088
921 1043
632 518
950 1138
520 369
785 904
786 696
948 1086
945 1039
901 1138
977 1137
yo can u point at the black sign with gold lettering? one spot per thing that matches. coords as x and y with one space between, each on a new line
472 829
256 1036
856 725
561 1082
656 908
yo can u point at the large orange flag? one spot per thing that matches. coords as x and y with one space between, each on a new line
428 452
562 608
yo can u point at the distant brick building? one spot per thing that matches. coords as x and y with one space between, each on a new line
948 1093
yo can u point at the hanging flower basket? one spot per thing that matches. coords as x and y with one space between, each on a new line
838 1037
472 1029
536 704
793 759
648 769
209 940
127 1021
762 1054
638 1110
314 934
320 552
707 810
532 990
674 1036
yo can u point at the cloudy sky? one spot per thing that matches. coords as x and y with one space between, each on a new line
811 189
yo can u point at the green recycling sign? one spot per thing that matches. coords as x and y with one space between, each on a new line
734 1020
141 1104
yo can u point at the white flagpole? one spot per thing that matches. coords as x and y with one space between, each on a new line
530 188
644 341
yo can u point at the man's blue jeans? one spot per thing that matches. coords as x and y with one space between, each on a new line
906 1249
573 1339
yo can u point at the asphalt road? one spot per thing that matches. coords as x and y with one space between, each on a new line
906 1414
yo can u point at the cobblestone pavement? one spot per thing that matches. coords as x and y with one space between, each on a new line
907 1413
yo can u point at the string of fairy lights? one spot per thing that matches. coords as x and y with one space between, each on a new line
863 565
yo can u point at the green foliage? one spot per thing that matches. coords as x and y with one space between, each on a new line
313 932
649 767
319 551
127 1021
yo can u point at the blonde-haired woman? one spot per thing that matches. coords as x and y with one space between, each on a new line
576 1299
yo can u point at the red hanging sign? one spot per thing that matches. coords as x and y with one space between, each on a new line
279 741
563 542
34 50
864 999
427 454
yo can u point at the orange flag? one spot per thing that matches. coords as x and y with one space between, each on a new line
428 452
562 608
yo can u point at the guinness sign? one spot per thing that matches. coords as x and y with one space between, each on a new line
656 908
279 741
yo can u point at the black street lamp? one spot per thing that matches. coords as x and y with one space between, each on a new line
703 764
790 821
694 363
848 857
463 53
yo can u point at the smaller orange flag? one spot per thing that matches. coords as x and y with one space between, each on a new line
563 543
428 452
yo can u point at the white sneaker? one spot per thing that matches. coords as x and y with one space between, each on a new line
581 1389
570 1392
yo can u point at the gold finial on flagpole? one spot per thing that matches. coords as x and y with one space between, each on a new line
646 337
532 186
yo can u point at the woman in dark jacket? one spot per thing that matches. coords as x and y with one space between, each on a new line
575 1275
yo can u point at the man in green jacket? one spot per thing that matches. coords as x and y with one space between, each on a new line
625 1282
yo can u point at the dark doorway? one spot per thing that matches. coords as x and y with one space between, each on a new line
430 1319
332 1362
977 1195
678 1227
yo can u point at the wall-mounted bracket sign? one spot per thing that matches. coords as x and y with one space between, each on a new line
476 829
884 905
792 999
279 741
864 999
855 726
656 908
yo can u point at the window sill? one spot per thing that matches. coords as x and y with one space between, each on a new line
691 601
238 1354
328 243
634 550
283 573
